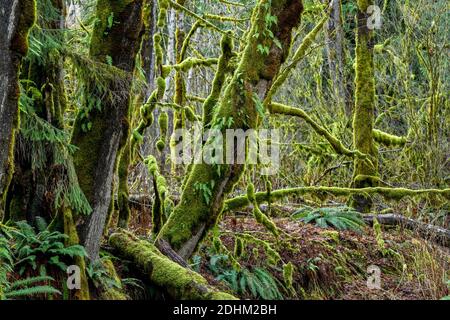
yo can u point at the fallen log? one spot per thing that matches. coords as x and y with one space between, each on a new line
180 283
427 231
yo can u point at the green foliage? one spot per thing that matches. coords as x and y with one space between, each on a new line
41 249
11 288
340 218
256 282
100 276
205 190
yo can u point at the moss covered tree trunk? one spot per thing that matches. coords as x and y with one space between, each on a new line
98 131
32 189
16 19
365 171
194 216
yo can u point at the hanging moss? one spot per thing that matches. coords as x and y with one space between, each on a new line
239 246
123 192
160 187
209 104
162 16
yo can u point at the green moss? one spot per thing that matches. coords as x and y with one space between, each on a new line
179 282
388 139
387 193
164 123
288 273
123 193
71 231
112 292
219 80
27 18
160 186
162 16
239 247
364 108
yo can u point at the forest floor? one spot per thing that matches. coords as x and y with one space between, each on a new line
328 264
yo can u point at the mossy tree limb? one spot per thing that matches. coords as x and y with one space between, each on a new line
194 216
179 282
98 133
16 19
388 193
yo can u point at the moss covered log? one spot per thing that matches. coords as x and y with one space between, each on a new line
179 282
16 19
194 216
101 124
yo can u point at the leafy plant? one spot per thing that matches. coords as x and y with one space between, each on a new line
340 218
206 190
23 287
257 282
44 248
100 276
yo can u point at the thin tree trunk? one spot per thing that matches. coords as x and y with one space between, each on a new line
365 172
334 37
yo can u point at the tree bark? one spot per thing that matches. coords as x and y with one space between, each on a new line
16 19
98 133
194 216
32 191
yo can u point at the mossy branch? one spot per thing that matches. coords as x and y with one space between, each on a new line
190 63
179 282
207 23
224 18
387 193
298 56
278 108
231 3
388 139
188 37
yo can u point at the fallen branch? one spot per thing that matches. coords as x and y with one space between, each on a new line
427 231
179 282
